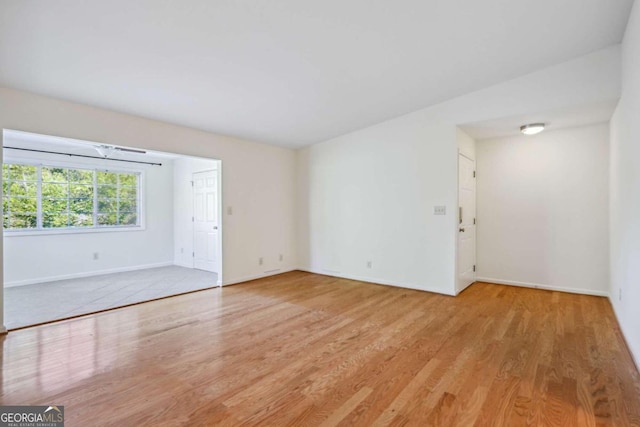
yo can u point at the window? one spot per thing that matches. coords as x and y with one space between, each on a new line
50 197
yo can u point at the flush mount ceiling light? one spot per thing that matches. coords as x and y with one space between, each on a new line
532 129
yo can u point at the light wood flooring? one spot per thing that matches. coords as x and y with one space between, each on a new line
302 349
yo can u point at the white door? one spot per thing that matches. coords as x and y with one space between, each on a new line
466 222
205 219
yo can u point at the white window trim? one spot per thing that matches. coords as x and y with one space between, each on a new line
82 230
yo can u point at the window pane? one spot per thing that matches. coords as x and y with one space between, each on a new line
20 205
23 172
81 220
68 197
81 206
129 179
51 174
54 205
55 220
128 193
23 220
108 219
29 189
107 192
107 178
130 218
107 206
55 190
130 205
79 190
81 176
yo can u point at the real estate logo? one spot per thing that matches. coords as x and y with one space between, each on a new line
31 416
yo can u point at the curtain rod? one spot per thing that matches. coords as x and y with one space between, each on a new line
82 155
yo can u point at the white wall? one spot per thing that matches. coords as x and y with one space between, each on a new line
625 191
370 198
42 258
183 170
369 195
543 210
257 179
466 144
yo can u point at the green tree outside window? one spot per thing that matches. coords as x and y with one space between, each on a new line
49 197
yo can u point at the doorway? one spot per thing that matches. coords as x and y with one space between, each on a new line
466 257
108 225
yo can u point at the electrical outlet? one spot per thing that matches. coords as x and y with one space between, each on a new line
369 264
96 255
260 261
229 210
281 257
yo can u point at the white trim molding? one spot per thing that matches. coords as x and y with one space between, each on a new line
545 287
376 281
634 357
270 273
86 274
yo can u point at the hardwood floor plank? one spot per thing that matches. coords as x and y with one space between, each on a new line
305 350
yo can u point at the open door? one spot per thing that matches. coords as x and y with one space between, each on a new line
466 222
205 218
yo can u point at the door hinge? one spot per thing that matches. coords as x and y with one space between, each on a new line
474 174
193 219
474 268
474 221
193 254
192 183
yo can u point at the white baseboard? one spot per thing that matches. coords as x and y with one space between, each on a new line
183 264
258 276
85 274
376 281
634 357
545 287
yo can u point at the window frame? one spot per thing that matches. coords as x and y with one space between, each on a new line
141 199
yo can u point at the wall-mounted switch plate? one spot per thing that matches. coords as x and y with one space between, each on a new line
439 210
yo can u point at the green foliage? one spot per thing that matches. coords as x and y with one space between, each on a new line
80 176
67 197
128 179
20 173
20 191
107 191
107 178
51 174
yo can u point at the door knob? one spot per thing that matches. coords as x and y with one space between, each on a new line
462 230
215 227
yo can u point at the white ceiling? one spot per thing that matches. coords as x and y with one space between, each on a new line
288 72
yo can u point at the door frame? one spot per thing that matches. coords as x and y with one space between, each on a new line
220 218
457 222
